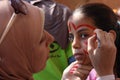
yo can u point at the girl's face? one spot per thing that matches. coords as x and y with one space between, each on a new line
80 29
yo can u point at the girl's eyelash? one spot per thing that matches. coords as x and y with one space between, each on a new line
82 35
85 35
71 37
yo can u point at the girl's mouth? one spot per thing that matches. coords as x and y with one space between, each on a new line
79 56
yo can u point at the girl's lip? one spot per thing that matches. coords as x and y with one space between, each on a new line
78 56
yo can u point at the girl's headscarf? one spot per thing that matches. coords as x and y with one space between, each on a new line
18 55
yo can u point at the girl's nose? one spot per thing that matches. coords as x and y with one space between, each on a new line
76 43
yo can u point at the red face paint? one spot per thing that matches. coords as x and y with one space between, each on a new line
85 51
74 27
70 24
86 43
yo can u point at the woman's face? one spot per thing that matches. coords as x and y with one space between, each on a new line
42 50
80 29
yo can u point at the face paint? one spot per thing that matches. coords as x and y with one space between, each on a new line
81 33
75 28
77 51
86 43
72 25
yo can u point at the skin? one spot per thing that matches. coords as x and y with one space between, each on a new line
43 47
84 39
28 44
82 31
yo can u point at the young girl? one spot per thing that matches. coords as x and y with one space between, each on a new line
94 33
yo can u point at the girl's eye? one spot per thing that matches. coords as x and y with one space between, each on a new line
84 36
71 37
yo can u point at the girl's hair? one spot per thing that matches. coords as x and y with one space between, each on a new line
104 18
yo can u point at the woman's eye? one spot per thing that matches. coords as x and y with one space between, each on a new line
71 37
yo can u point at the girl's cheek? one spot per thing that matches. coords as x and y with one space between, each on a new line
85 43
85 49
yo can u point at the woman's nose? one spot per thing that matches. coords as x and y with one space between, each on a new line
50 38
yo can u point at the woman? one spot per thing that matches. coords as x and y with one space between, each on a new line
23 42
56 17
94 33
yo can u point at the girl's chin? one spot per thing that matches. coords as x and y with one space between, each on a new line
84 62
81 62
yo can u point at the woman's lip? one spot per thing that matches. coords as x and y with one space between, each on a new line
78 56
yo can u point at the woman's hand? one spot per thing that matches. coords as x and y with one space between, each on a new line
102 52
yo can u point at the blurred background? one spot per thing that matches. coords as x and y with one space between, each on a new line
72 4
114 4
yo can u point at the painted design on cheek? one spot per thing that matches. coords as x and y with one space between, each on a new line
77 27
86 43
85 51
77 51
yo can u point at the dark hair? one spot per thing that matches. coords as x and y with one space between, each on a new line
56 17
104 18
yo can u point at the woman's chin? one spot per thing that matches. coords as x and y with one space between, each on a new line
43 67
45 63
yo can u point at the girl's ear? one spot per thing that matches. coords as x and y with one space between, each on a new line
114 34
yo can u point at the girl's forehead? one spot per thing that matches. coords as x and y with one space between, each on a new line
73 27
76 23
